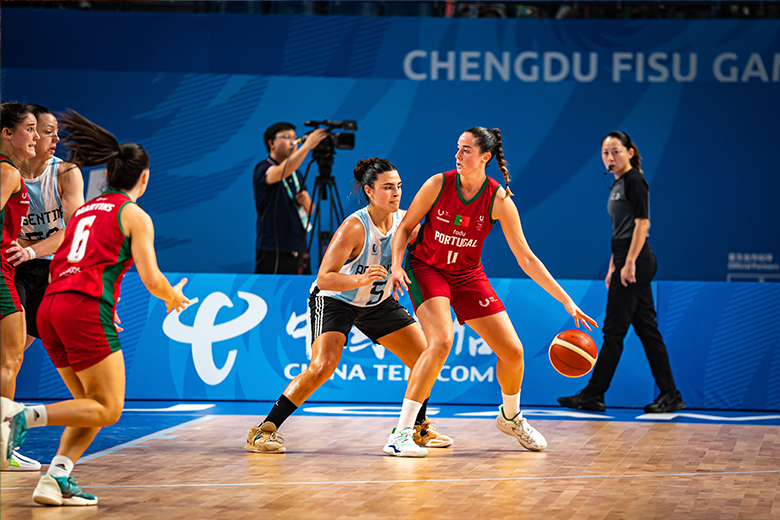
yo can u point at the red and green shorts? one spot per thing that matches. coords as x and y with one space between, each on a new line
77 330
470 293
9 298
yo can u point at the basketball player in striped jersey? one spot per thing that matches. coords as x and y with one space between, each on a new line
56 189
351 289
17 143
444 269
76 317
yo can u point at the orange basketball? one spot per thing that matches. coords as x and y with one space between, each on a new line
573 353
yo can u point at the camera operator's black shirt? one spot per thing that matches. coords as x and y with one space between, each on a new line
628 200
279 227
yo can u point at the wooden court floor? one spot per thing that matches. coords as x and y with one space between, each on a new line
334 468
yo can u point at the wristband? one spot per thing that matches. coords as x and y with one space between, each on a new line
30 251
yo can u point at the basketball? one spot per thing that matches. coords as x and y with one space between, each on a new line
573 353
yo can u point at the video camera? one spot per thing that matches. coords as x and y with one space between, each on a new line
340 140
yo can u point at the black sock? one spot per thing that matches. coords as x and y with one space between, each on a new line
283 408
422 413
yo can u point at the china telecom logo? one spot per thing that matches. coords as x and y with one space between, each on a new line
204 332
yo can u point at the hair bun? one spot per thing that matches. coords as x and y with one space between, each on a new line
360 169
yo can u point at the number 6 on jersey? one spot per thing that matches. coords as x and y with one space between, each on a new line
79 246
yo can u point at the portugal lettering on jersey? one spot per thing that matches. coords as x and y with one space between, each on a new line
377 250
95 254
454 230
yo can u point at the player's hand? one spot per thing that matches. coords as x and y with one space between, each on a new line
399 281
610 272
16 254
179 301
117 321
579 316
314 138
372 274
628 273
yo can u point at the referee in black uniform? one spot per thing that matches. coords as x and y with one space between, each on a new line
630 298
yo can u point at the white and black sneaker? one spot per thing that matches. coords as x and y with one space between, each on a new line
519 428
401 444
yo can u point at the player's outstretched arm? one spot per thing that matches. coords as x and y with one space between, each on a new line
506 212
407 230
137 225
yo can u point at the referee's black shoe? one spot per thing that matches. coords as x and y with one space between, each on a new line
584 401
666 403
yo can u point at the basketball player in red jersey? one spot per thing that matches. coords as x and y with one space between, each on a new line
444 268
76 317
17 143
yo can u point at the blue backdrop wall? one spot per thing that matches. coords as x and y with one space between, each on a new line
246 336
700 98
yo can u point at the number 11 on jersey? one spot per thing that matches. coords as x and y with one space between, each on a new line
452 257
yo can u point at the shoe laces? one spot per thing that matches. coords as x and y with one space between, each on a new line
265 436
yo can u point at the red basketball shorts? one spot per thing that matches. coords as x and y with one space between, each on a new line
77 330
470 293
9 298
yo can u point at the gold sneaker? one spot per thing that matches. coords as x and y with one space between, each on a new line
426 435
264 439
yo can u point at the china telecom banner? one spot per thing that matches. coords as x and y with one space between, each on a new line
245 337
197 91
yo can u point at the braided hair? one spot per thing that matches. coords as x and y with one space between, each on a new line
490 141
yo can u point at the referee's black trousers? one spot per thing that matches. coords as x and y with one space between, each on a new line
632 305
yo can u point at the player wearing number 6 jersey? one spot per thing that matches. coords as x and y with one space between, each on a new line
444 269
351 289
76 317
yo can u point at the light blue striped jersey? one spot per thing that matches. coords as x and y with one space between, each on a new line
45 215
377 250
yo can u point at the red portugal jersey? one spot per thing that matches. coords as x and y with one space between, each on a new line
454 230
12 215
95 254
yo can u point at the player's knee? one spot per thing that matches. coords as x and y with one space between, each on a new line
12 359
513 355
322 369
440 348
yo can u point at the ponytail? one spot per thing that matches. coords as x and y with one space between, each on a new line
90 145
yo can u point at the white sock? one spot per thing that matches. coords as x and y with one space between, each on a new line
36 415
60 466
511 405
409 411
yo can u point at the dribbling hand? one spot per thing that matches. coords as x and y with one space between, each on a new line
579 316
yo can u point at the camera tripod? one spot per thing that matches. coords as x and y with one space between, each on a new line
325 191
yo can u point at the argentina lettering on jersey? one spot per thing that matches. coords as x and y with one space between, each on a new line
377 250
45 215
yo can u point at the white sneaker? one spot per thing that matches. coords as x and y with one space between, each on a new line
519 428
61 491
13 427
401 444
19 462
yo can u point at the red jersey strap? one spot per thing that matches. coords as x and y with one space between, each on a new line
6 159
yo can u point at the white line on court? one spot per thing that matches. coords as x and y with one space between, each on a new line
162 434
174 408
422 481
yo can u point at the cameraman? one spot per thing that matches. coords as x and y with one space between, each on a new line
282 202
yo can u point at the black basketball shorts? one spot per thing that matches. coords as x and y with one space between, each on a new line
329 314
